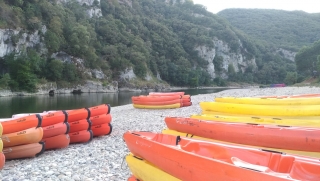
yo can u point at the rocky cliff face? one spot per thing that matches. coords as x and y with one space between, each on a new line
239 61
18 40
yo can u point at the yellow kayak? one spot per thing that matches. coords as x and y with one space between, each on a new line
1 129
257 120
145 171
1 145
316 118
169 106
269 101
303 153
263 110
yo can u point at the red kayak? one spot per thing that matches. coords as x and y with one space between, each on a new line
16 124
24 151
195 160
2 160
133 178
99 110
103 129
56 142
84 124
56 129
53 117
81 136
290 138
100 119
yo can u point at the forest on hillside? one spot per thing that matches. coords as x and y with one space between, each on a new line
151 36
290 30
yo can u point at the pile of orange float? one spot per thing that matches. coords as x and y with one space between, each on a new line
29 135
161 100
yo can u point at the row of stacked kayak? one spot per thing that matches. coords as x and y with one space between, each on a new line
231 140
29 135
161 100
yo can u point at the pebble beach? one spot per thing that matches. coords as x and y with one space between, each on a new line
103 157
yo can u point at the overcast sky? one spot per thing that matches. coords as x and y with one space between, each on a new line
309 6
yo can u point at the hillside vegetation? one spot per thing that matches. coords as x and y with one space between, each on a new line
290 30
152 37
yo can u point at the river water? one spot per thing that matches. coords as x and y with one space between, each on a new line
40 103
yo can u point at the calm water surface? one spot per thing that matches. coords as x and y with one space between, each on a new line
40 103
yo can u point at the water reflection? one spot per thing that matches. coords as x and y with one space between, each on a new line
40 103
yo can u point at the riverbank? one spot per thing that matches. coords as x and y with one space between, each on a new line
102 158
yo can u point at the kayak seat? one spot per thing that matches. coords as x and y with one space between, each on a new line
280 163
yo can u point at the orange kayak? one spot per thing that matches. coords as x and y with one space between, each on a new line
100 119
165 93
84 124
16 124
290 138
24 151
56 142
133 178
56 129
157 102
2 160
103 129
98 110
154 98
190 159
53 117
185 104
28 136
81 136
77 114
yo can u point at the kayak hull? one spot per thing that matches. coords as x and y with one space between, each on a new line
28 136
101 119
57 142
24 151
81 136
103 129
56 129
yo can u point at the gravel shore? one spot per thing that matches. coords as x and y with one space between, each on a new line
102 158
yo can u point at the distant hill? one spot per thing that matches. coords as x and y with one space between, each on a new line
290 30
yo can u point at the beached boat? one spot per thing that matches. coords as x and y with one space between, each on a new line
291 138
174 101
215 116
101 119
24 151
2 160
293 96
133 178
165 93
47 117
103 129
154 98
170 106
269 101
191 159
11 125
263 110
144 170
84 124
56 129
56 142
81 136
28 136
294 152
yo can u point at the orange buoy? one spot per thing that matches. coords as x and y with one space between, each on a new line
98 110
57 142
56 129
21 123
24 151
81 136
2 160
77 114
103 129
84 124
27 136
100 119
53 117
